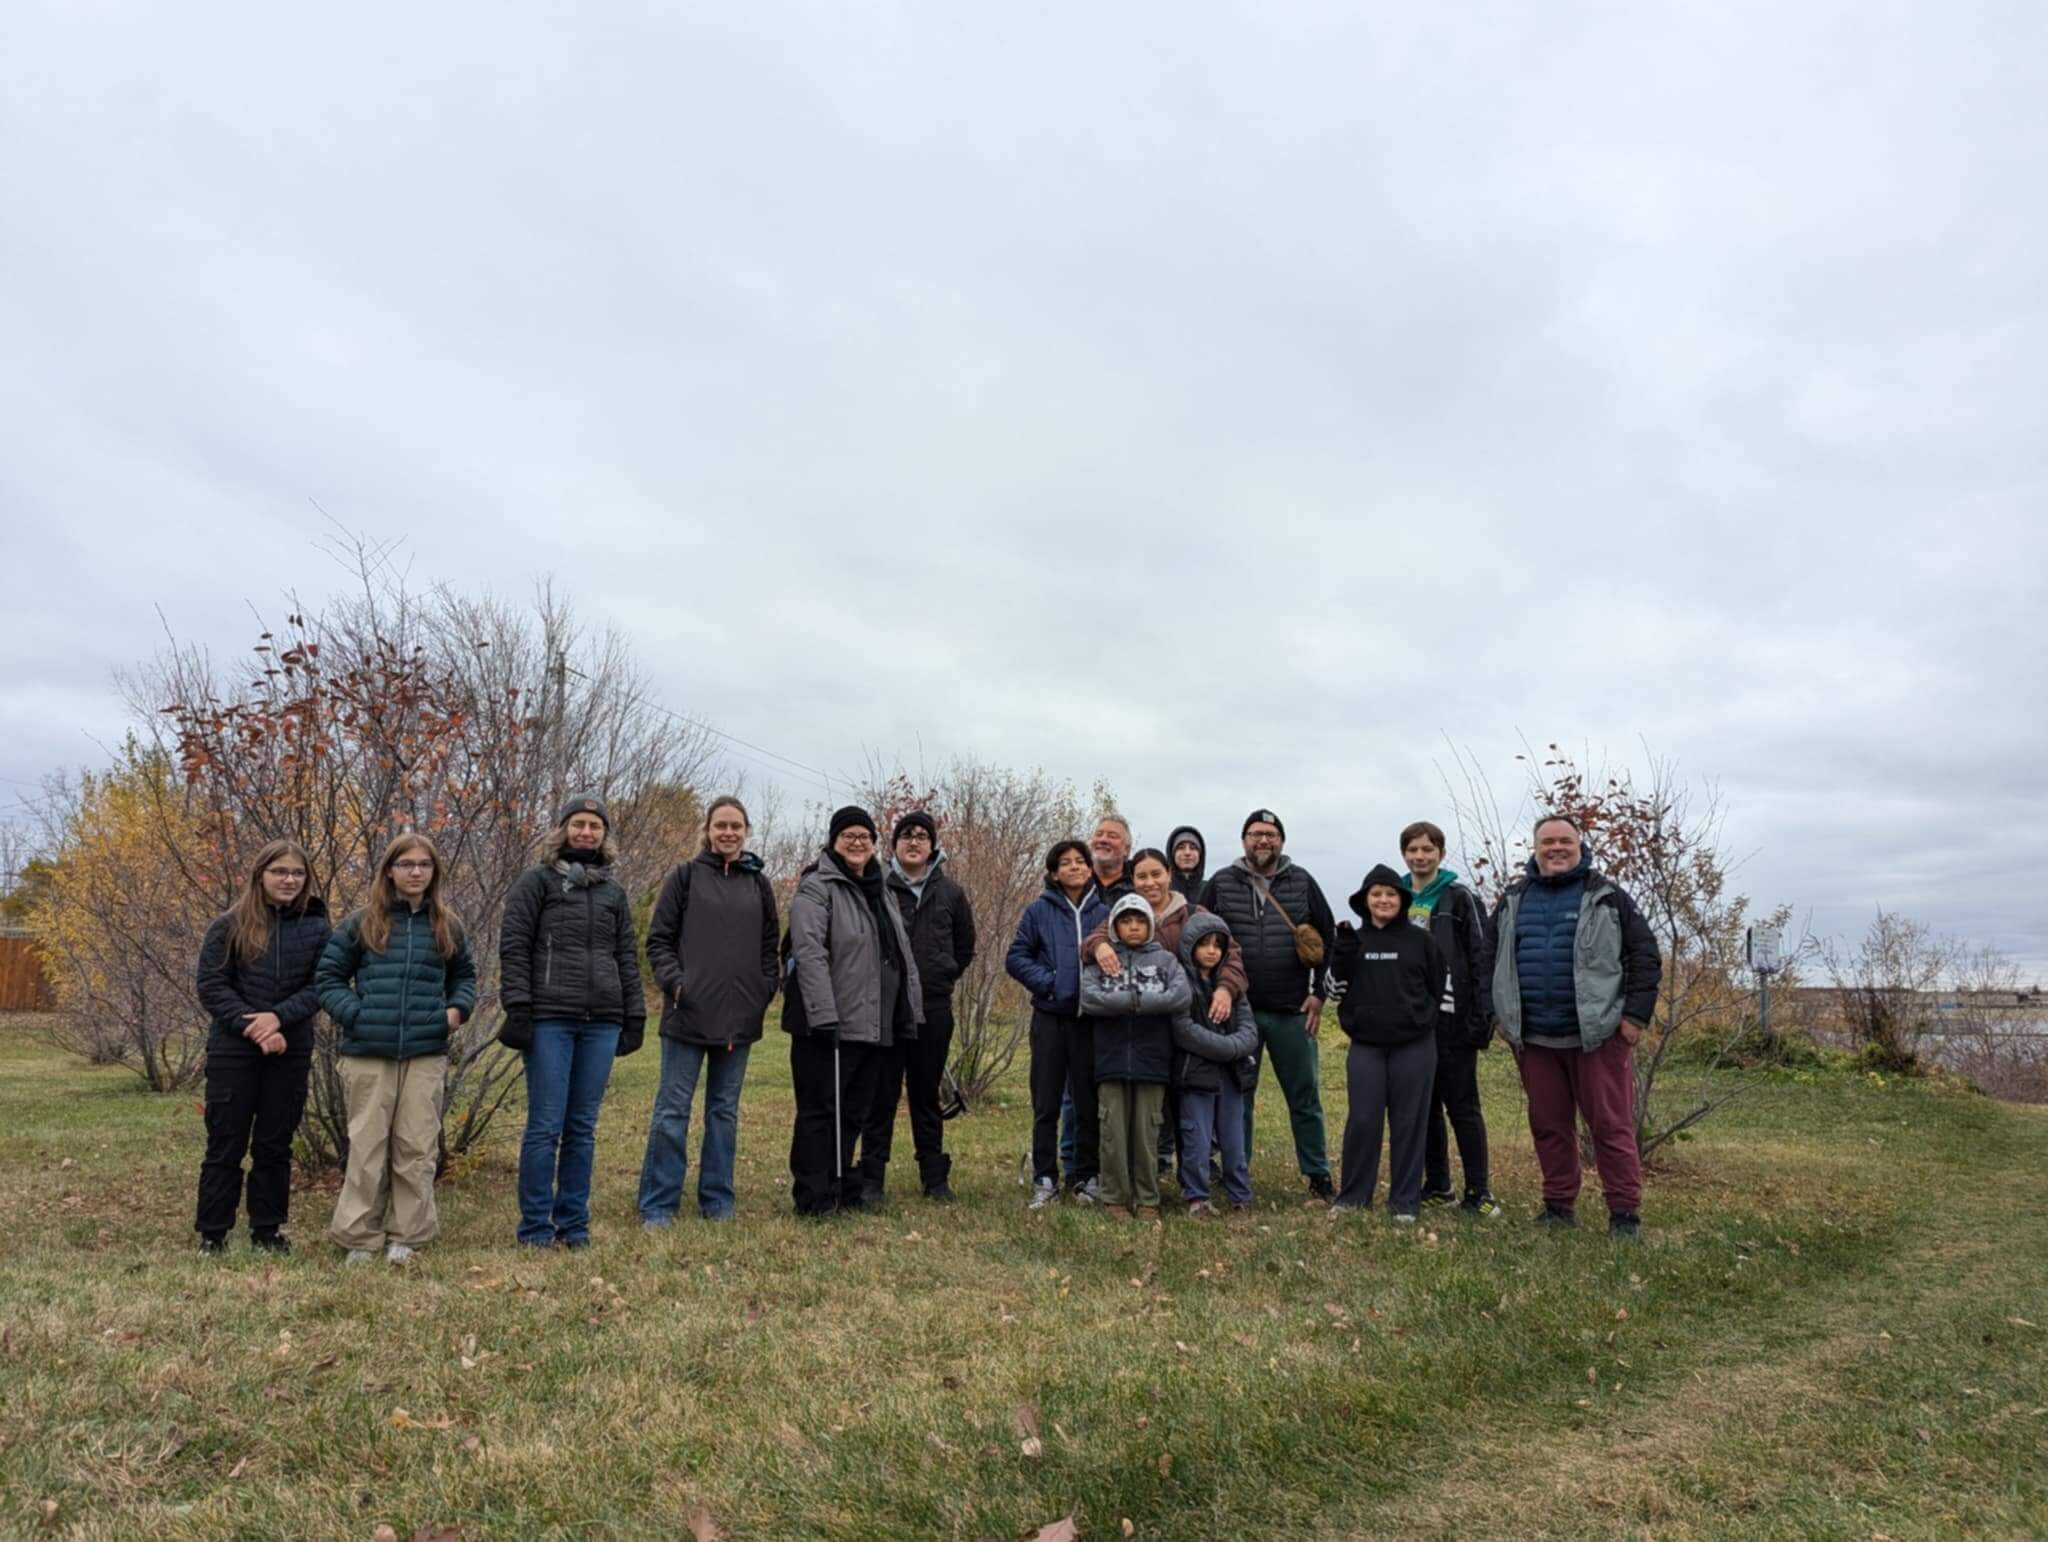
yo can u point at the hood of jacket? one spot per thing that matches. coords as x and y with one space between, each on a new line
745 862
1203 923
1387 878
1133 905
1429 891
1281 864
1189 884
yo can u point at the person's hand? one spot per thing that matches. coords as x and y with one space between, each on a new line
1219 1006
1630 1032
261 1025
273 1045
1312 1009
1106 959
454 1018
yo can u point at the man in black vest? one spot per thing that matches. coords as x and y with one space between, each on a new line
1265 897
940 921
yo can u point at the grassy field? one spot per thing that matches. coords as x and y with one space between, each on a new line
1837 1326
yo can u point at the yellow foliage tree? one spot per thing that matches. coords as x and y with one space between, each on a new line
119 923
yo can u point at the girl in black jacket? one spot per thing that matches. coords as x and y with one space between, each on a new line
256 981
1389 981
569 973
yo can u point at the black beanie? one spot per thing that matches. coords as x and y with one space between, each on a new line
585 804
846 819
916 819
1262 816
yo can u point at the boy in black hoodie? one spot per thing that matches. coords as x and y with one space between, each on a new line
1390 984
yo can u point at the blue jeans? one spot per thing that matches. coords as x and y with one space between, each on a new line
668 1132
566 1072
1217 1118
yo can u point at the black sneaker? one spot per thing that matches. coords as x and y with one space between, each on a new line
212 1245
1625 1224
1438 1197
939 1192
1484 1206
870 1195
269 1242
1320 1186
1557 1215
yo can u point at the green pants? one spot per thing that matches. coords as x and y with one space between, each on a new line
1285 1037
1129 1114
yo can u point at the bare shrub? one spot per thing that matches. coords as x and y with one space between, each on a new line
1884 989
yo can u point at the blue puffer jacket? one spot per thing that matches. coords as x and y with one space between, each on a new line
1045 957
394 1004
1545 932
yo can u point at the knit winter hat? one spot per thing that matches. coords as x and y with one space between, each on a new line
916 819
848 818
1262 816
586 803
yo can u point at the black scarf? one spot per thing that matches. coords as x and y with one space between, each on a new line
874 890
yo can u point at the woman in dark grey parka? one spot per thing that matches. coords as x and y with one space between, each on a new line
853 991
711 946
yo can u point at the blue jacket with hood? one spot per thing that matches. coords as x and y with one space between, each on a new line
1045 955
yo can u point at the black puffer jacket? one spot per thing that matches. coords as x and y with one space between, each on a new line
281 981
711 946
567 953
1280 980
941 926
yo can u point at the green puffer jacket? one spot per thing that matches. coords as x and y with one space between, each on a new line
394 1004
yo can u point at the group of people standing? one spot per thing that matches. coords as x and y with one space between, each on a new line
1157 992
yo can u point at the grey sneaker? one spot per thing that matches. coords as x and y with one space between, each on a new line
397 1253
1089 1193
1043 1193
1404 1218
360 1255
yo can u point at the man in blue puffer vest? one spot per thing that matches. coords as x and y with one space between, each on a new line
1575 977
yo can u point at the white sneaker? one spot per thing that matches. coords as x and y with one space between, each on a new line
397 1253
359 1256
1403 1218
1043 1193
1089 1193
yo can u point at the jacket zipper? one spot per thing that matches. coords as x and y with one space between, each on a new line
549 977
590 952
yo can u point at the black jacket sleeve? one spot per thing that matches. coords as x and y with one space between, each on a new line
1642 965
771 931
963 936
1208 900
1477 1009
302 1003
665 928
515 939
216 991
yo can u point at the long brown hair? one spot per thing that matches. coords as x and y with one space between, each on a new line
373 924
249 916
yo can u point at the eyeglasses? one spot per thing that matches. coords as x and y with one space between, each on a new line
912 835
412 867
849 838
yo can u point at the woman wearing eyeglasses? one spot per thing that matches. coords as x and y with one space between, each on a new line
854 993
398 978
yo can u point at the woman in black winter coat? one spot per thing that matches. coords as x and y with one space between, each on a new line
711 946
256 981
569 976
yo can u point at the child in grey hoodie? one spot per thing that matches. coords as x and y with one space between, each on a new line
1207 1065
1134 1013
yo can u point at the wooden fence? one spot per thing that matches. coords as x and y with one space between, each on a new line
23 986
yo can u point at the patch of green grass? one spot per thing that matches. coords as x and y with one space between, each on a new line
1836 1326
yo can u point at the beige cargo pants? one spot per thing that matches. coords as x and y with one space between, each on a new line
394 1136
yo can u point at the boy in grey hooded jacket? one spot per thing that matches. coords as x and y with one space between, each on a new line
1207 1065
1136 1012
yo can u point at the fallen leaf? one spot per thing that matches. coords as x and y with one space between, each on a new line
1061 1530
1592 1373
1143 1421
1242 1340
1177 1344
384 1534
472 1445
2019 1322
1032 1447
1129 1529
1165 1464
49 1513
400 1419
1926 1437
1333 1309
1621 1314
702 1527
239 1468
1026 1415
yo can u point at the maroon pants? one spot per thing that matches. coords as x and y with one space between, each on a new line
1562 1083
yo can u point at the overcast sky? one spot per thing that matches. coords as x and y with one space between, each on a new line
1243 404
